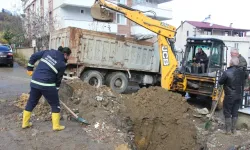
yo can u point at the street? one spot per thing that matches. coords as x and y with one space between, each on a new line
14 81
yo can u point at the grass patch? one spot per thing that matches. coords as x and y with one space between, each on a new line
20 59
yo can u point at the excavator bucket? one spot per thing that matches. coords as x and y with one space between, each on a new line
101 14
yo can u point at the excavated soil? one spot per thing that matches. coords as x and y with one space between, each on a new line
151 119
161 120
41 111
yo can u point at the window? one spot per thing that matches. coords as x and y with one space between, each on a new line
4 49
215 59
122 2
207 32
121 19
82 11
187 33
226 33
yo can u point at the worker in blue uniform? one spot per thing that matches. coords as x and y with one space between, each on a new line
46 81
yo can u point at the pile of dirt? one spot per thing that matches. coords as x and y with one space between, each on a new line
161 120
99 106
41 111
152 118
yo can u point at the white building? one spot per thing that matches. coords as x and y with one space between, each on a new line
232 37
76 13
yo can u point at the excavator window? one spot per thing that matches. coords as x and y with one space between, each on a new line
215 58
210 61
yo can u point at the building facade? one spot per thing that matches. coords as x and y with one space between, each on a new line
76 13
232 37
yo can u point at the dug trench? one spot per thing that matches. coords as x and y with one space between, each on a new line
151 119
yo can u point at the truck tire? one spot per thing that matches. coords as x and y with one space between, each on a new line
117 81
92 77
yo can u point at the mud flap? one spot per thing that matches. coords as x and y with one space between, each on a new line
101 14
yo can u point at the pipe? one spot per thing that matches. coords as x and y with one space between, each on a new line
129 74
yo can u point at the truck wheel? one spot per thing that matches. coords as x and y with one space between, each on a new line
94 78
117 81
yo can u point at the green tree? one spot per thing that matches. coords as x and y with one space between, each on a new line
8 35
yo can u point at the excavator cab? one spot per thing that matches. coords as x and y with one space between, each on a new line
203 63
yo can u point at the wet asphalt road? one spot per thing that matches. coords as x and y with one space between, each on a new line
13 82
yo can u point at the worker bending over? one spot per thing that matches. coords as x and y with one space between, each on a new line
232 80
46 81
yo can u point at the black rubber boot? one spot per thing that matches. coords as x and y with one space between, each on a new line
234 121
228 124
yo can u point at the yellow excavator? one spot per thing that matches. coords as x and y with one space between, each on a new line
183 79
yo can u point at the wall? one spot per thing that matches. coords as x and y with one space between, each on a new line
26 52
125 29
73 13
181 35
217 32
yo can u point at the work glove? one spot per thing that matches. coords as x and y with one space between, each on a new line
30 73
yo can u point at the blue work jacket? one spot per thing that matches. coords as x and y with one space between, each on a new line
50 69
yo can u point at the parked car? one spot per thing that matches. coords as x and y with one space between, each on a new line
7 46
6 56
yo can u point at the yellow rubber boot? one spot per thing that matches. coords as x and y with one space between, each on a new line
26 119
56 122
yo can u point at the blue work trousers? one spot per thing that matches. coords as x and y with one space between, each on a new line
50 95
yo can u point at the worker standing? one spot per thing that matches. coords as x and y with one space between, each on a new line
242 60
46 81
232 80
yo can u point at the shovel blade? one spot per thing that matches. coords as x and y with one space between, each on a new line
82 120
101 14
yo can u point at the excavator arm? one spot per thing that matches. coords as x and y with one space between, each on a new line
170 80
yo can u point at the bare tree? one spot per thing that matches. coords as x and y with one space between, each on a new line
38 25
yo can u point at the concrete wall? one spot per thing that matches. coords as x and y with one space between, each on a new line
181 35
74 13
26 52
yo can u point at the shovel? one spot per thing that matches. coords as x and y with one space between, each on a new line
75 115
209 122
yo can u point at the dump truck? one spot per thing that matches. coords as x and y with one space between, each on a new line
106 59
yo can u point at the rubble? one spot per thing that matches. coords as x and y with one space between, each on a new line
41 112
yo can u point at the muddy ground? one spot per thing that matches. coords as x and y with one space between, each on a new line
149 119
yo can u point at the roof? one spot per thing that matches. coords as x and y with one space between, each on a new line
200 38
206 25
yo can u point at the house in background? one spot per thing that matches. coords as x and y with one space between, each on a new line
76 13
233 37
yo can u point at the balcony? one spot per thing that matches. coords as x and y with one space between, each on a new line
79 3
138 30
90 25
161 14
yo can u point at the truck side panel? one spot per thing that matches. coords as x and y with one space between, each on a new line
99 50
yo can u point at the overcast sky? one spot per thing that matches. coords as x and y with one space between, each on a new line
222 12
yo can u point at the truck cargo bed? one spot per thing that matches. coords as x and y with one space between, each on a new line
108 51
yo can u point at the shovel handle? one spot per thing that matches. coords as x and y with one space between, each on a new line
69 109
212 113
